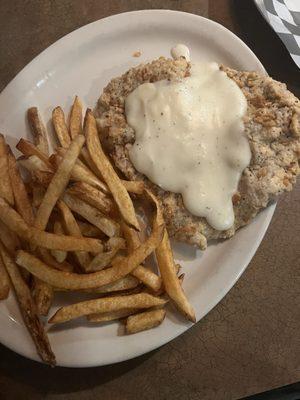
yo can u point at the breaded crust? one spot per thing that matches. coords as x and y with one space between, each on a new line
272 126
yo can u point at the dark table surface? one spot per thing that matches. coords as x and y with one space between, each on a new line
249 342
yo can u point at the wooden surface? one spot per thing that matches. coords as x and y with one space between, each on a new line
250 342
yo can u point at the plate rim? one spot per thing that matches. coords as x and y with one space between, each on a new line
115 16
268 211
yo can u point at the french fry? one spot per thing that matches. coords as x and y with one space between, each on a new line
92 215
33 164
73 281
77 194
145 275
29 149
81 173
104 259
113 242
9 238
28 186
55 159
86 158
124 284
4 281
172 285
76 118
5 185
131 237
73 229
46 256
89 230
149 278
58 183
162 290
92 196
136 187
104 305
80 179
59 255
42 178
28 309
38 130
110 177
22 202
145 320
44 239
43 296
38 193
111 316
167 268
86 173
85 155
60 127
23 207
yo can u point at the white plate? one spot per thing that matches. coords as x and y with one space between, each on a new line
82 63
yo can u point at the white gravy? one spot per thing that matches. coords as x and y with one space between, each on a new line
190 140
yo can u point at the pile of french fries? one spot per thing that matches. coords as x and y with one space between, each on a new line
68 223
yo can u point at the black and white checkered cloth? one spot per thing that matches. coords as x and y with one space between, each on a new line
284 17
